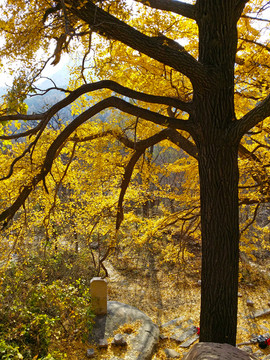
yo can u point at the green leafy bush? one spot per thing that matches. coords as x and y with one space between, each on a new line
9 352
37 310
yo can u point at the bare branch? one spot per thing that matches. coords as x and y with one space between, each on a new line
91 137
85 56
30 148
140 148
256 43
178 7
8 214
57 187
27 150
255 18
249 201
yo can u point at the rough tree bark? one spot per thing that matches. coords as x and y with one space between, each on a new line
220 242
218 170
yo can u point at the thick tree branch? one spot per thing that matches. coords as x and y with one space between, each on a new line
125 182
248 201
147 114
114 86
260 177
116 103
87 88
252 118
175 6
31 117
166 134
110 102
186 145
23 134
139 147
121 105
109 26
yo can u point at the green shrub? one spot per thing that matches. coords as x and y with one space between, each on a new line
9 352
36 311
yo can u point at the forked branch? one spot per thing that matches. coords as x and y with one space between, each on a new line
140 148
252 118
125 182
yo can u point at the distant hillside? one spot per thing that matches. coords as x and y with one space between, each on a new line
39 103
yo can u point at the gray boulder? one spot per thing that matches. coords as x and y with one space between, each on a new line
140 344
214 351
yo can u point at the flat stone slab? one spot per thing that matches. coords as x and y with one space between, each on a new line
175 322
182 335
190 341
260 313
172 354
140 344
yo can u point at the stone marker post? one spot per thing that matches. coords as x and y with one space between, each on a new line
98 291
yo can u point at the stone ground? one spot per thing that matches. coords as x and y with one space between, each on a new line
165 297
170 294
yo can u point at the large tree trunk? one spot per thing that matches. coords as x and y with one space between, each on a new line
218 169
220 242
219 175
